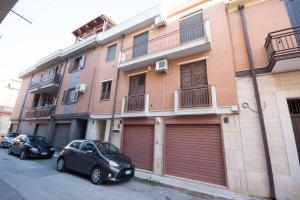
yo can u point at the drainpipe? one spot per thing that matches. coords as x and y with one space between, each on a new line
116 93
23 104
258 102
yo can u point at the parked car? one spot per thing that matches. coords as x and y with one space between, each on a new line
102 161
5 140
31 147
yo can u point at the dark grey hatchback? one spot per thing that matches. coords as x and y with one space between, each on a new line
102 161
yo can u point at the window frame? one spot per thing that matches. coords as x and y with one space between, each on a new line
81 63
135 46
105 95
108 59
66 96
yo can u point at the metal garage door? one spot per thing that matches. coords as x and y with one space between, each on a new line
138 141
195 152
42 130
61 135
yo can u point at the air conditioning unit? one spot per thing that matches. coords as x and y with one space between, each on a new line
81 88
159 21
162 66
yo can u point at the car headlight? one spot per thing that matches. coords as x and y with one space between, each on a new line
113 163
52 149
35 150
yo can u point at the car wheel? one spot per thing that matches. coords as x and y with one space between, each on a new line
96 176
60 166
9 151
23 155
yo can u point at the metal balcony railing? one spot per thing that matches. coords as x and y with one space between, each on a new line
283 43
40 112
135 103
170 40
45 80
194 97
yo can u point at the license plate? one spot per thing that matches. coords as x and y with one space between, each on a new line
128 172
44 153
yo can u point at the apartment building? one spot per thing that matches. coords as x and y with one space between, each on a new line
9 88
172 87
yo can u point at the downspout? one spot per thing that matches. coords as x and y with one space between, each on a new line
23 104
116 93
258 102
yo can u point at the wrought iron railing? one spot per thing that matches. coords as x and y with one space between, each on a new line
194 97
40 112
283 42
45 80
135 103
170 40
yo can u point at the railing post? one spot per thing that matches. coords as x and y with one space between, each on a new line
146 109
176 101
213 96
207 30
123 105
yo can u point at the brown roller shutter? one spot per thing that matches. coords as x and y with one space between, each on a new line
138 141
41 130
195 152
61 135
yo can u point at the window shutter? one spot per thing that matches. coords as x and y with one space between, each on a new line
199 77
191 27
64 97
186 76
82 62
140 45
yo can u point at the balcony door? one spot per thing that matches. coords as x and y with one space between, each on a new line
194 90
136 95
140 45
294 108
293 8
191 27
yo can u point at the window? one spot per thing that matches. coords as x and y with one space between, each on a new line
191 27
75 145
111 52
70 96
193 75
140 45
106 87
88 147
77 64
137 85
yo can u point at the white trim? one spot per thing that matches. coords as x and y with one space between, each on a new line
138 73
106 80
191 14
194 60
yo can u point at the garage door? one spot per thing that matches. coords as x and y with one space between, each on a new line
42 130
138 145
61 135
195 152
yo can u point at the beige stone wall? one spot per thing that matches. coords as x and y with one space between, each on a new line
274 90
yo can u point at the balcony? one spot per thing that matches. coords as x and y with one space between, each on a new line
283 50
43 112
47 84
173 45
199 100
135 106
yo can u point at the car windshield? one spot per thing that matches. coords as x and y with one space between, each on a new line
107 148
37 139
12 135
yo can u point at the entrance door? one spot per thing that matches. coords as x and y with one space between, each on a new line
294 107
61 135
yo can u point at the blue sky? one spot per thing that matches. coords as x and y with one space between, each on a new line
22 44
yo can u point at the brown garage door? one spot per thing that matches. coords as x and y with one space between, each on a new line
41 130
195 152
138 145
61 135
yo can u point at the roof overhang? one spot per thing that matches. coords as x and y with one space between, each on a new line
5 7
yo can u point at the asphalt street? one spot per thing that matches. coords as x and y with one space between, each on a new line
39 180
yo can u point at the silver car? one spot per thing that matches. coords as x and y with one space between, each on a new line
5 140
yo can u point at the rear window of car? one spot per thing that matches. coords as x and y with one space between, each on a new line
75 145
